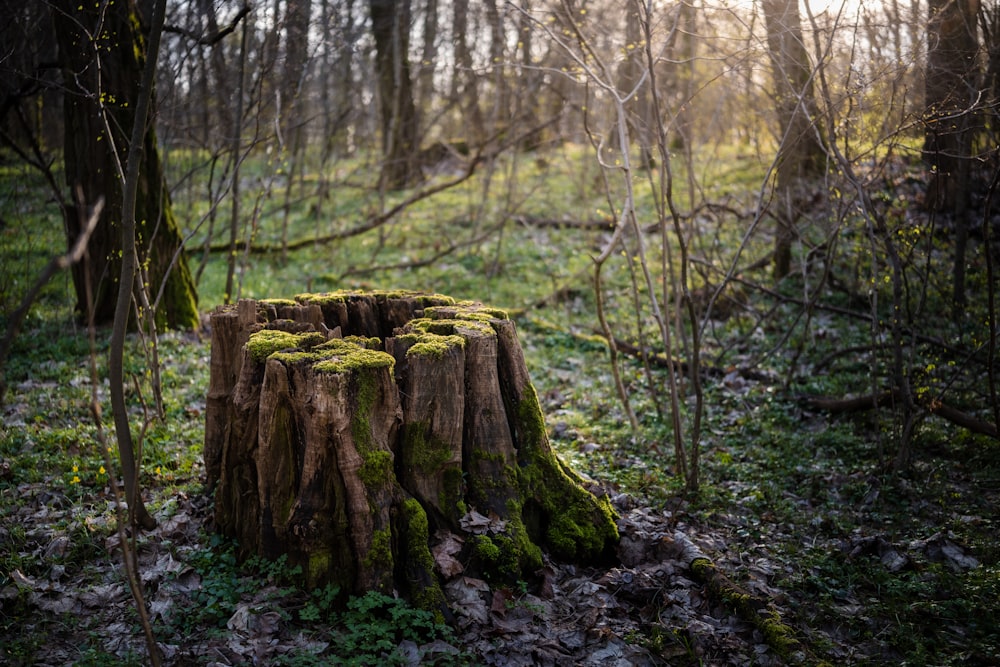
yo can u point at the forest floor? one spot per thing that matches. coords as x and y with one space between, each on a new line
824 550
829 557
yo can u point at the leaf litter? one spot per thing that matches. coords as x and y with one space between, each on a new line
572 616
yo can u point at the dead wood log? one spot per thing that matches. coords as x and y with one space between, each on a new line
754 610
344 429
931 405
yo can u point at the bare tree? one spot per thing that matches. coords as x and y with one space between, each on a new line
464 82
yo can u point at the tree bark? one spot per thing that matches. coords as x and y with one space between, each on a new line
400 129
101 74
360 424
951 103
800 153
640 115
464 80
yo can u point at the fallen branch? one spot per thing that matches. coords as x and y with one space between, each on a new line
213 38
719 587
934 406
378 220
608 224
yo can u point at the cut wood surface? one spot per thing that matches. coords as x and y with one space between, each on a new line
353 432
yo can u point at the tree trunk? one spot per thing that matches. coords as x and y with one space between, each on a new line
800 153
639 114
464 80
95 163
354 431
428 60
400 129
951 94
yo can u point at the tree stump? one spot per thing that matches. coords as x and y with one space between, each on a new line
353 432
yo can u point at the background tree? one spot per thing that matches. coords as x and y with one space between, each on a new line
952 101
464 92
398 112
800 151
101 56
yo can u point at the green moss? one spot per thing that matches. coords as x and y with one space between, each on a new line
380 553
423 298
278 302
426 455
528 554
425 590
468 310
501 556
564 534
367 342
580 525
328 356
777 635
450 326
323 298
486 550
297 356
318 567
361 429
432 345
266 342
376 469
453 493
342 356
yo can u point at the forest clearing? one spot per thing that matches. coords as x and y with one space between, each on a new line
511 338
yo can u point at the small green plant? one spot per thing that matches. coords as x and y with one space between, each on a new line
221 586
321 604
371 629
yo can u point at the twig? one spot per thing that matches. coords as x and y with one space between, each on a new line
375 221
213 38
128 547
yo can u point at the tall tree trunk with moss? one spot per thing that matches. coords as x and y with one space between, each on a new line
357 432
800 152
399 123
102 55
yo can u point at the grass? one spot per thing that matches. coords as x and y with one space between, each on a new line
800 489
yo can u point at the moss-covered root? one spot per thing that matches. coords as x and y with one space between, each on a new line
577 525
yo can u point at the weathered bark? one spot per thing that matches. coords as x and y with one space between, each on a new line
346 454
399 123
102 79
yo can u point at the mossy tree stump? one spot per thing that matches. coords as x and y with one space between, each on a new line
345 430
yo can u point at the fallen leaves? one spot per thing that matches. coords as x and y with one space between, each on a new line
648 609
